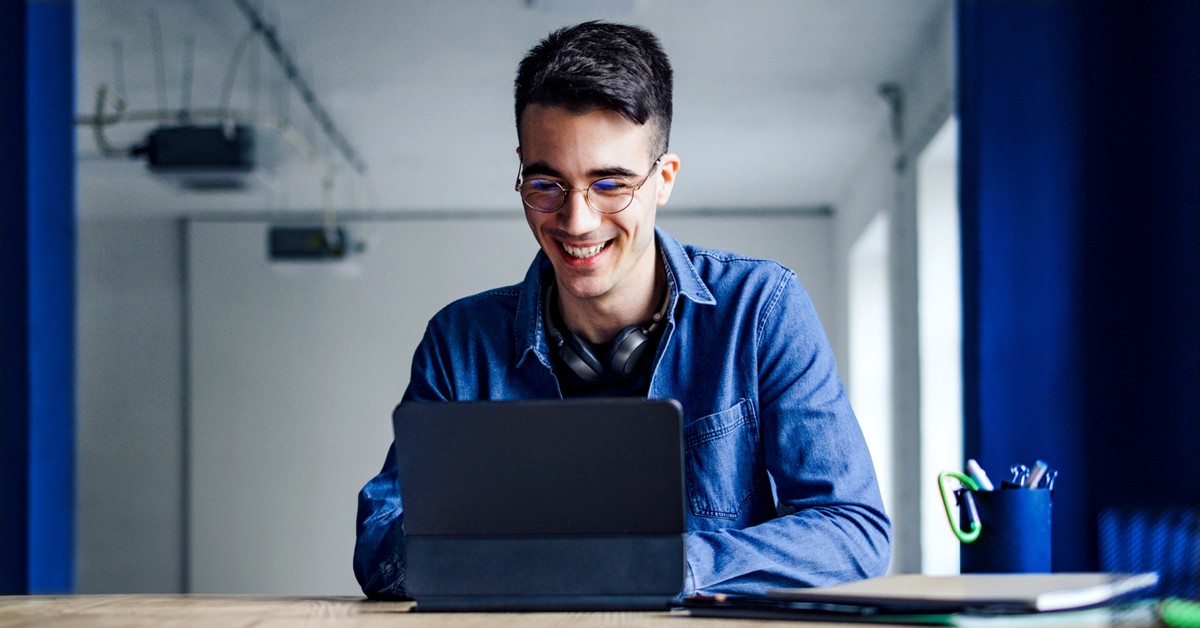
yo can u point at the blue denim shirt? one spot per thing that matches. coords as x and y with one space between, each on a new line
781 488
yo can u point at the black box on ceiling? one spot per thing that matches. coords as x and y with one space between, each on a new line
216 157
306 243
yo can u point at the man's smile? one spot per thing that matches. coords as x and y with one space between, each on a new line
583 252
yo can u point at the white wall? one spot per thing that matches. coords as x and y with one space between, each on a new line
870 357
886 184
941 338
129 438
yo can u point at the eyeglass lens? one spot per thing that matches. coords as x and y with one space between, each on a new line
607 196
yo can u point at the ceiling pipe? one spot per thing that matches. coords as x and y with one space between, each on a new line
267 32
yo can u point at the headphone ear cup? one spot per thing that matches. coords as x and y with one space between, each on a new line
627 350
580 358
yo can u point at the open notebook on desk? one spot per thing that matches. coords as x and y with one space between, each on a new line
914 598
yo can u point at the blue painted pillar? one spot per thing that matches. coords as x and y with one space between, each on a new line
37 297
1080 199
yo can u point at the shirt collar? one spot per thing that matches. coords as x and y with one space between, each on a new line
682 277
530 332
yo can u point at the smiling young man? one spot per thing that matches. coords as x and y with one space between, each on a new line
781 487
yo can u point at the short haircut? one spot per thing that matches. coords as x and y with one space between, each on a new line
600 65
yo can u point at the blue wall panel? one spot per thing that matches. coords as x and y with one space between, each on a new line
14 305
1080 191
37 378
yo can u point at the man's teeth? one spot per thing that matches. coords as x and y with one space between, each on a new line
583 252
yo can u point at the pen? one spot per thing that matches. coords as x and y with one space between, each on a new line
1035 476
976 472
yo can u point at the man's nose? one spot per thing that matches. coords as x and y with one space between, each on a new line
576 216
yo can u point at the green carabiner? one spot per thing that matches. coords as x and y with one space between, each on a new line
969 484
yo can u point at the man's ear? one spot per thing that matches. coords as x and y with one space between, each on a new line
668 168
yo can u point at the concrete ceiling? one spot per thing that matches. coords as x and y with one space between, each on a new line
776 100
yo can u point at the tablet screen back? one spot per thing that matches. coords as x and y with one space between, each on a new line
542 504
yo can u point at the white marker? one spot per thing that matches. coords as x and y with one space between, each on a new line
977 474
1035 476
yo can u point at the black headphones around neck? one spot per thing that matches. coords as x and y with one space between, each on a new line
624 350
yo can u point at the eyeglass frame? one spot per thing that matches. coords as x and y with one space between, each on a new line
586 196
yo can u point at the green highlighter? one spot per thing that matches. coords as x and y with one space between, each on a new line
1179 613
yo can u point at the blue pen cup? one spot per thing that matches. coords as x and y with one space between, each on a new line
1014 535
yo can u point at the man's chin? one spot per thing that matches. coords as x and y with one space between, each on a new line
581 288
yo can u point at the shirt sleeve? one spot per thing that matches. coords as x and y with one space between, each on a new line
379 549
379 554
831 526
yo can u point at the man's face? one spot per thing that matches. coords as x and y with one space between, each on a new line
607 257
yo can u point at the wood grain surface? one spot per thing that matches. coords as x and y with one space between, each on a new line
185 611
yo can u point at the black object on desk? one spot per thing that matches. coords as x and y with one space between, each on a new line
542 505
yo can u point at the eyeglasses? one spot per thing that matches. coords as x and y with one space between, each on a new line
609 195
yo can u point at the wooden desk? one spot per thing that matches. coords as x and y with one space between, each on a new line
184 611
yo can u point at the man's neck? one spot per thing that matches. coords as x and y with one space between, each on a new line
599 319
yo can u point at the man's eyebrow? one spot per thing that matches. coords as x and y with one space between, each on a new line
539 168
611 171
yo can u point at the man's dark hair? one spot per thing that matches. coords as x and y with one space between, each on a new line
599 65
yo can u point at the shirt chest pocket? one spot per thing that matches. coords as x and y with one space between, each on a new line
723 461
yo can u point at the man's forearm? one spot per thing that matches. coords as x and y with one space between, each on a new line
818 546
